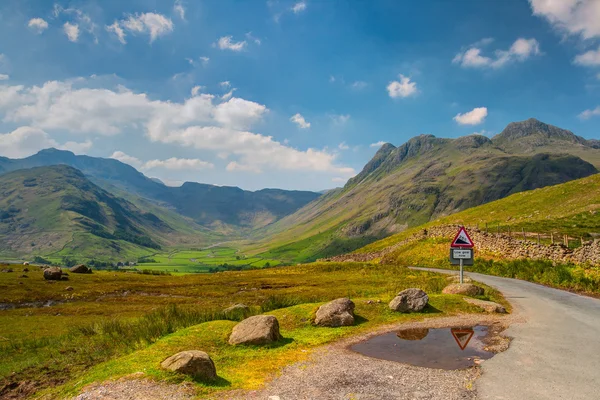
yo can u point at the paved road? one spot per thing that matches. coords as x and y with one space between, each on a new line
555 354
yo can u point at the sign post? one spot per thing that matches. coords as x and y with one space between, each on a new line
461 250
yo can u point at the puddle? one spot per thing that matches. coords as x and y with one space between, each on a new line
430 348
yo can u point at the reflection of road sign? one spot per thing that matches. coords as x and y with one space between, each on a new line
462 336
462 239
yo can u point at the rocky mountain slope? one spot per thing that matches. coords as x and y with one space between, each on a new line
429 177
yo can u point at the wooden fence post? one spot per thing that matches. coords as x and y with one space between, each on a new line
552 237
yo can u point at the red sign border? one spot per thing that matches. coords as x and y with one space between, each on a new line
468 246
470 331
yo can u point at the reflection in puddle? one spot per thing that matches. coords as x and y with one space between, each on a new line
431 348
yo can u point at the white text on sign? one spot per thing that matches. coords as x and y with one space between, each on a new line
462 253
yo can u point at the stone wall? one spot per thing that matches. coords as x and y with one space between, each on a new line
501 245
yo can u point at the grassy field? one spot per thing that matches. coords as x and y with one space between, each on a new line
115 323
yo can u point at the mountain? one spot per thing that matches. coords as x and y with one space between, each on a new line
220 208
426 178
45 209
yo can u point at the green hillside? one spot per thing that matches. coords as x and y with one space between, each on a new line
427 178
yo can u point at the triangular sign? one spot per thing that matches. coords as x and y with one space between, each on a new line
462 239
462 336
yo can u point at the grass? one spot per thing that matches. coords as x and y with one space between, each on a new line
116 323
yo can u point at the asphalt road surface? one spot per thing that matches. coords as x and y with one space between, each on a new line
555 353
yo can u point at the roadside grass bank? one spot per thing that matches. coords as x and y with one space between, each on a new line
110 315
434 253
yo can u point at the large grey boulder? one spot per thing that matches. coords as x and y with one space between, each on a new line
467 289
409 300
192 362
80 269
257 330
339 312
53 274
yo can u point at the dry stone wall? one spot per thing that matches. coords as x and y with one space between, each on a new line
501 245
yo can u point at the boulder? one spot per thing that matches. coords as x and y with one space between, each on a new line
488 306
413 333
238 308
69 288
192 362
7 270
339 312
257 330
80 269
53 274
467 289
409 300
25 269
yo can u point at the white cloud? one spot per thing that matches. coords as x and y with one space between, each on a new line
235 166
178 164
77 148
203 60
179 9
377 144
118 31
26 140
299 7
196 89
228 95
198 122
153 24
343 146
227 43
589 59
572 17
340 119
299 120
339 179
253 39
225 84
72 31
403 88
590 113
519 51
127 159
4 77
37 25
358 85
474 117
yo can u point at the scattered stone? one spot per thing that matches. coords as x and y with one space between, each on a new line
339 312
53 274
488 306
257 330
237 308
409 300
274 398
25 263
25 269
69 288
23 276
7 270
80 269
413 333
192 362
467 289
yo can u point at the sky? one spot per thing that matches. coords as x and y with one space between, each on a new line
289 94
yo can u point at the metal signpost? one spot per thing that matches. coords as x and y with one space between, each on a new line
461 250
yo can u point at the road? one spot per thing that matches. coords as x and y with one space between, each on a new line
555 354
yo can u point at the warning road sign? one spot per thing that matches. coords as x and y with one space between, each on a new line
462 336
462 239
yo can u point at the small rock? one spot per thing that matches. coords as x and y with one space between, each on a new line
69 288
256 330
192 362
7 270
25 263
237 308
25 269
339 312
409 300
274 398
80 269
53 273
467 289
488 306
23 276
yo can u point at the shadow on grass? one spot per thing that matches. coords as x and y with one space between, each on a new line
431 310
219 382
359 320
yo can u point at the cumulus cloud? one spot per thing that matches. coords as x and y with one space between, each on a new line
402 88
127 159
572 17
179 9
377 144
201 61
519 51
72 31
26 140
474 117
227 43
4 77
235 166
198 122
299 120
590 113
38 25
228 95
225 84
152 24
589 59
343 146
299 7
196 89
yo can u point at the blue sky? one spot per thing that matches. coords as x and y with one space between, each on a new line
290 94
